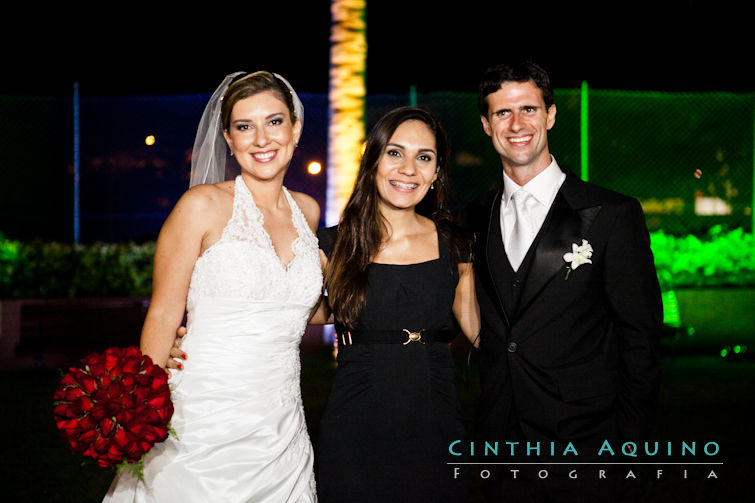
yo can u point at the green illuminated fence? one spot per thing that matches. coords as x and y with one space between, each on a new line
650 145
644 144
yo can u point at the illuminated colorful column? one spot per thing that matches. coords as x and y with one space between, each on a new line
346 124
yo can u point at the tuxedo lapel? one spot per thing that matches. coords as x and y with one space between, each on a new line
567 222
495 254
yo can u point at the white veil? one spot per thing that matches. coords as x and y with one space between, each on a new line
209 154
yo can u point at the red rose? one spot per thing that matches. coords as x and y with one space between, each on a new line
114 407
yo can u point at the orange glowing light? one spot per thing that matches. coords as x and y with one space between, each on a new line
314 168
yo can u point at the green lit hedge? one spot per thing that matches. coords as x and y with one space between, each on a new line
719 259
54 270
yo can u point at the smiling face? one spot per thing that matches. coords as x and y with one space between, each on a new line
407 167
261 135
518 124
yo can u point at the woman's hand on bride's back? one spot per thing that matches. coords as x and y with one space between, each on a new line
176 353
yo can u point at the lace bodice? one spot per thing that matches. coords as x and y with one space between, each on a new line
243 263
242 433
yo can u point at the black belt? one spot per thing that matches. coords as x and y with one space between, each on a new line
398 336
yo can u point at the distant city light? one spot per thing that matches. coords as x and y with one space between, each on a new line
314 167
149 140
712 206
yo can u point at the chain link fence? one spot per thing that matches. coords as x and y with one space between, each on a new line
647 145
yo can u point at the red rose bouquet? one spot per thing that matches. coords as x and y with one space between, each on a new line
114 407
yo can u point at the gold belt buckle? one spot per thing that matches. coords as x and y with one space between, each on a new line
414 336
343 338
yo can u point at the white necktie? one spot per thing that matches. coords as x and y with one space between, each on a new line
521 235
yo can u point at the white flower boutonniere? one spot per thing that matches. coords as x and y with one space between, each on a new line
579 254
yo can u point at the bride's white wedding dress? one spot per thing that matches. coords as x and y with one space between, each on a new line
241 431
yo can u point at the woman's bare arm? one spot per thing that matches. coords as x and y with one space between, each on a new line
178 247
322 314
465 307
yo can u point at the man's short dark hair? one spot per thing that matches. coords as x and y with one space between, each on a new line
521 70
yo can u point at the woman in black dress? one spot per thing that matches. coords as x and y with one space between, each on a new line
400 286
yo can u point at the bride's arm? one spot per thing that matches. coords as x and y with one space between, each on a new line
465 307
178 247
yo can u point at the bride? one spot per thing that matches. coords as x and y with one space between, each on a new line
241 258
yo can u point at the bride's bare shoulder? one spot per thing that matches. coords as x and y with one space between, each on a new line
202 202
309 207
206 196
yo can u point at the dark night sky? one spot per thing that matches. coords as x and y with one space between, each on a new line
671 45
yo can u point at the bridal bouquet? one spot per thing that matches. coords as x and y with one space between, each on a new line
114 407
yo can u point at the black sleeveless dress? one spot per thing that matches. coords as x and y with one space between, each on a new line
393 409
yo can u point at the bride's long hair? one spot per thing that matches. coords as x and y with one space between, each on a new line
363 228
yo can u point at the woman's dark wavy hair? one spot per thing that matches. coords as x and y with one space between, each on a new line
363 228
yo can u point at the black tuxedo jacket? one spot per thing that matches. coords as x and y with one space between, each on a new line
577 360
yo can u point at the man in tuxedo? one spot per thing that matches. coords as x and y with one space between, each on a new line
570 305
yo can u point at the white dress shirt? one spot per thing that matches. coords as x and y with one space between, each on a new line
543 188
